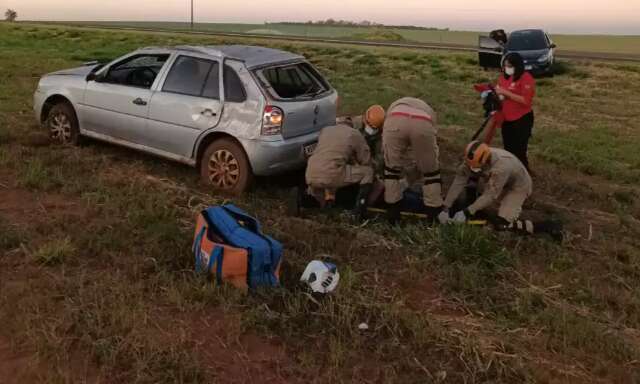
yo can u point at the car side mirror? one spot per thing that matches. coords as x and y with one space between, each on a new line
98 78
553 45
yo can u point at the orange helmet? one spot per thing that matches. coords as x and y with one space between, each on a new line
476 155
374 116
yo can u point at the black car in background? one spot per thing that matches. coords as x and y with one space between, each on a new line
535 46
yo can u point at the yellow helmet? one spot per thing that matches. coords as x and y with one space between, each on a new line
374 116
476 155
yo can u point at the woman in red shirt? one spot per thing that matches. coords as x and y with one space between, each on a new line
516 88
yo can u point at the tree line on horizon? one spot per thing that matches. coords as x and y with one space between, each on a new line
361 24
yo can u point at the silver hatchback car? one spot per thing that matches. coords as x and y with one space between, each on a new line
233 111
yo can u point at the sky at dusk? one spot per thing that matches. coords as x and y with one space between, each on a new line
557 16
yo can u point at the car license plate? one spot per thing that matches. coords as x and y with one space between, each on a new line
528 67
309 148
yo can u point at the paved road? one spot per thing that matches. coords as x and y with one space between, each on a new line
561 54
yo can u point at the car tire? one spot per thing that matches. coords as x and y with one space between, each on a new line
62 124
226 168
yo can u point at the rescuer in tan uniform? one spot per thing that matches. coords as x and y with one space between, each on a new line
409 140
341 158
506 181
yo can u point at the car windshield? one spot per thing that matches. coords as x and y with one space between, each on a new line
527 41
294 81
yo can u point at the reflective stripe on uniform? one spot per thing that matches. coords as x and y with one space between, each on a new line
432 178
411 116
434 181
392 174
432 174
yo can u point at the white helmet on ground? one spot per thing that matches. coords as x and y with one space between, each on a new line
322 277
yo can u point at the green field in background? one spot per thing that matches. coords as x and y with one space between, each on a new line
583 43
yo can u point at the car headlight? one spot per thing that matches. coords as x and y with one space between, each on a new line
544 58
40 86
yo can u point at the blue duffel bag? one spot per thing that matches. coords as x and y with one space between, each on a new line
233 227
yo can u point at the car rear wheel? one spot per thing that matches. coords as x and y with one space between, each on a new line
62 124
225 167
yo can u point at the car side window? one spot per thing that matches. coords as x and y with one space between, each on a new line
233 89
193 77
136 71
212 84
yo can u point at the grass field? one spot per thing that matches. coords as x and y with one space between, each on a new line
580 43
96 281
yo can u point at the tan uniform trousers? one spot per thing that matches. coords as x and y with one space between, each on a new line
410 143
323 188
511 204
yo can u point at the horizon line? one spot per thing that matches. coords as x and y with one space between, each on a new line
398 26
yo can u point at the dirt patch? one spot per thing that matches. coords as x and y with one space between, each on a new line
17 367
35 139
234 356
25 367
426 295
24 208
585 191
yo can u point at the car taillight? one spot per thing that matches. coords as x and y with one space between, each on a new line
272 120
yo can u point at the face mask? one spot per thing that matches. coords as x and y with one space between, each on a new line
370 131
509 71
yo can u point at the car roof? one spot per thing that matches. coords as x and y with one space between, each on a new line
523 31
252 56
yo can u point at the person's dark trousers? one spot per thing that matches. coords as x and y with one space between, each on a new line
515 137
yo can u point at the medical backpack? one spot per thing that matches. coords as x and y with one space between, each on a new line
230 247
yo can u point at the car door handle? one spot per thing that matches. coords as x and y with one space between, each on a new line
208 112
139 101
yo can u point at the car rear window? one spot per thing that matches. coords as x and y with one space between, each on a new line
527 41
294 81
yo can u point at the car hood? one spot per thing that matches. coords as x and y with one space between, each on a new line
532 55
78 71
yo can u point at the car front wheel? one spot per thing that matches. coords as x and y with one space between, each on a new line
62 125
225 167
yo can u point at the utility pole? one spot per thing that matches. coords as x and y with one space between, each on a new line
191 14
